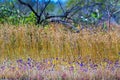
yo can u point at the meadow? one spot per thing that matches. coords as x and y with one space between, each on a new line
28 52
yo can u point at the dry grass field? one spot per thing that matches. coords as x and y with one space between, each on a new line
54 53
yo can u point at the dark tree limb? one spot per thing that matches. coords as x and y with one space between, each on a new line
61 6
53 18
29 6
42 11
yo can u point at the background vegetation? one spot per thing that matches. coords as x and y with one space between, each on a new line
64 40
84 13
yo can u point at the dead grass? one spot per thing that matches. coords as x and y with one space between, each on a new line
59 50
25 41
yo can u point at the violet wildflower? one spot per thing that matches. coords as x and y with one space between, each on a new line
29 59
2 67
85 70
38 67
81 65
112 69
71 68
56 58
95 65
19 61
29 64
110 62
117 64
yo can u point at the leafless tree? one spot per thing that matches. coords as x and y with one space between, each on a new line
44 16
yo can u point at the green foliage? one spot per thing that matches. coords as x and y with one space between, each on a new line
94 15
8 15
13 16
30 19
91 12
12 12
104 26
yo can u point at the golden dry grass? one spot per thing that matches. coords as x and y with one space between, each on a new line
23 41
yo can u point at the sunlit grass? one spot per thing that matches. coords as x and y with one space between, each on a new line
61 46
38 43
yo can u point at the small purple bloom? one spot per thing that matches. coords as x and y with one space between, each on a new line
20 60
29 59
81 64
116 62
38 67
85 70
71 68
95 65
112 68
56 58
2 67
110 62
29 64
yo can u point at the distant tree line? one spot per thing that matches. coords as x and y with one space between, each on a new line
71 13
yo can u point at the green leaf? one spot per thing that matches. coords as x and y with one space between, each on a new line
94 15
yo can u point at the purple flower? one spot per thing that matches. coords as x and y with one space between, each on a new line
110 62
29 64
38 67
29 59
2 67
19 61
116 62
85 70
112 68
81 64
56 58
95 65
71 68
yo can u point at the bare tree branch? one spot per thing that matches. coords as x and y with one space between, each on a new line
63 19
29 6
116 11
43 11
61 6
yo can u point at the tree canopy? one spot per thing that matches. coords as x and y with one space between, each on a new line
69 12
